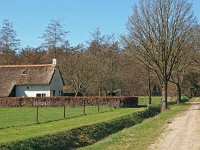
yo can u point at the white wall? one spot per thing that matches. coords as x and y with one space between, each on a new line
31 91
56 84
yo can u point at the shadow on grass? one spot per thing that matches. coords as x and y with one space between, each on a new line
141 106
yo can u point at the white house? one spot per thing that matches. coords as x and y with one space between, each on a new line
41 80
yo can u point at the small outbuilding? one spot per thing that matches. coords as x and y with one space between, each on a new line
42 80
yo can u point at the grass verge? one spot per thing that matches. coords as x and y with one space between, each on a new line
84 135
144 100
195 99
29 131
140 136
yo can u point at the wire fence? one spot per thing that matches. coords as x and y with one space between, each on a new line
15 116
27 111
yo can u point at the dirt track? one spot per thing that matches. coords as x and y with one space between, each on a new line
182 133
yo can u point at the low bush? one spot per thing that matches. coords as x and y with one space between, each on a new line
129 102
81 136
68 101
9 102
185 99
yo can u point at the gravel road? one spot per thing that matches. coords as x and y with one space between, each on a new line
182 133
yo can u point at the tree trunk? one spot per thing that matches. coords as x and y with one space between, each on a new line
99 92
164 97
179 93
121 92
76 93
149 86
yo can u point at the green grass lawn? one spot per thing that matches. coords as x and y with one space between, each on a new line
195 99
20 123
143 100
140 136
17 116
23 131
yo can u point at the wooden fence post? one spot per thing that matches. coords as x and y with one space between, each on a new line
110 105
64 111
84 108
37 113
98 105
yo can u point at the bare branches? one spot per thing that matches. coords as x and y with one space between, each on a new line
160 31
54 36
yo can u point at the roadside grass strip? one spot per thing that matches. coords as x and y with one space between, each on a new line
28 131
141 136
195 99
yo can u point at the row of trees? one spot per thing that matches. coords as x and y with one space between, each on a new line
161 46
162 35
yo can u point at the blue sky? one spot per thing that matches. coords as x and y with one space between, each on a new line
30 17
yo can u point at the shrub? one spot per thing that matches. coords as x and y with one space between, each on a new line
129 102
9 102
68 101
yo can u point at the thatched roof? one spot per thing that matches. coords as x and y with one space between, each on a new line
11 75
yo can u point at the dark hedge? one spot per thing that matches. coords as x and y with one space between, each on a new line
68 101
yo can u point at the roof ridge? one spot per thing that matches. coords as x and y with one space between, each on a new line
32 65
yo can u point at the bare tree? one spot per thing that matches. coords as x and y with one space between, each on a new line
105 51
149 84
189 62
132 74
9 43
96 48
29 55
158 32
183 67
196 47
112 67
55 36
78 69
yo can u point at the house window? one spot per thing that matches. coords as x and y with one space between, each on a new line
60 92
27 87
40 95
24 72
54 92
